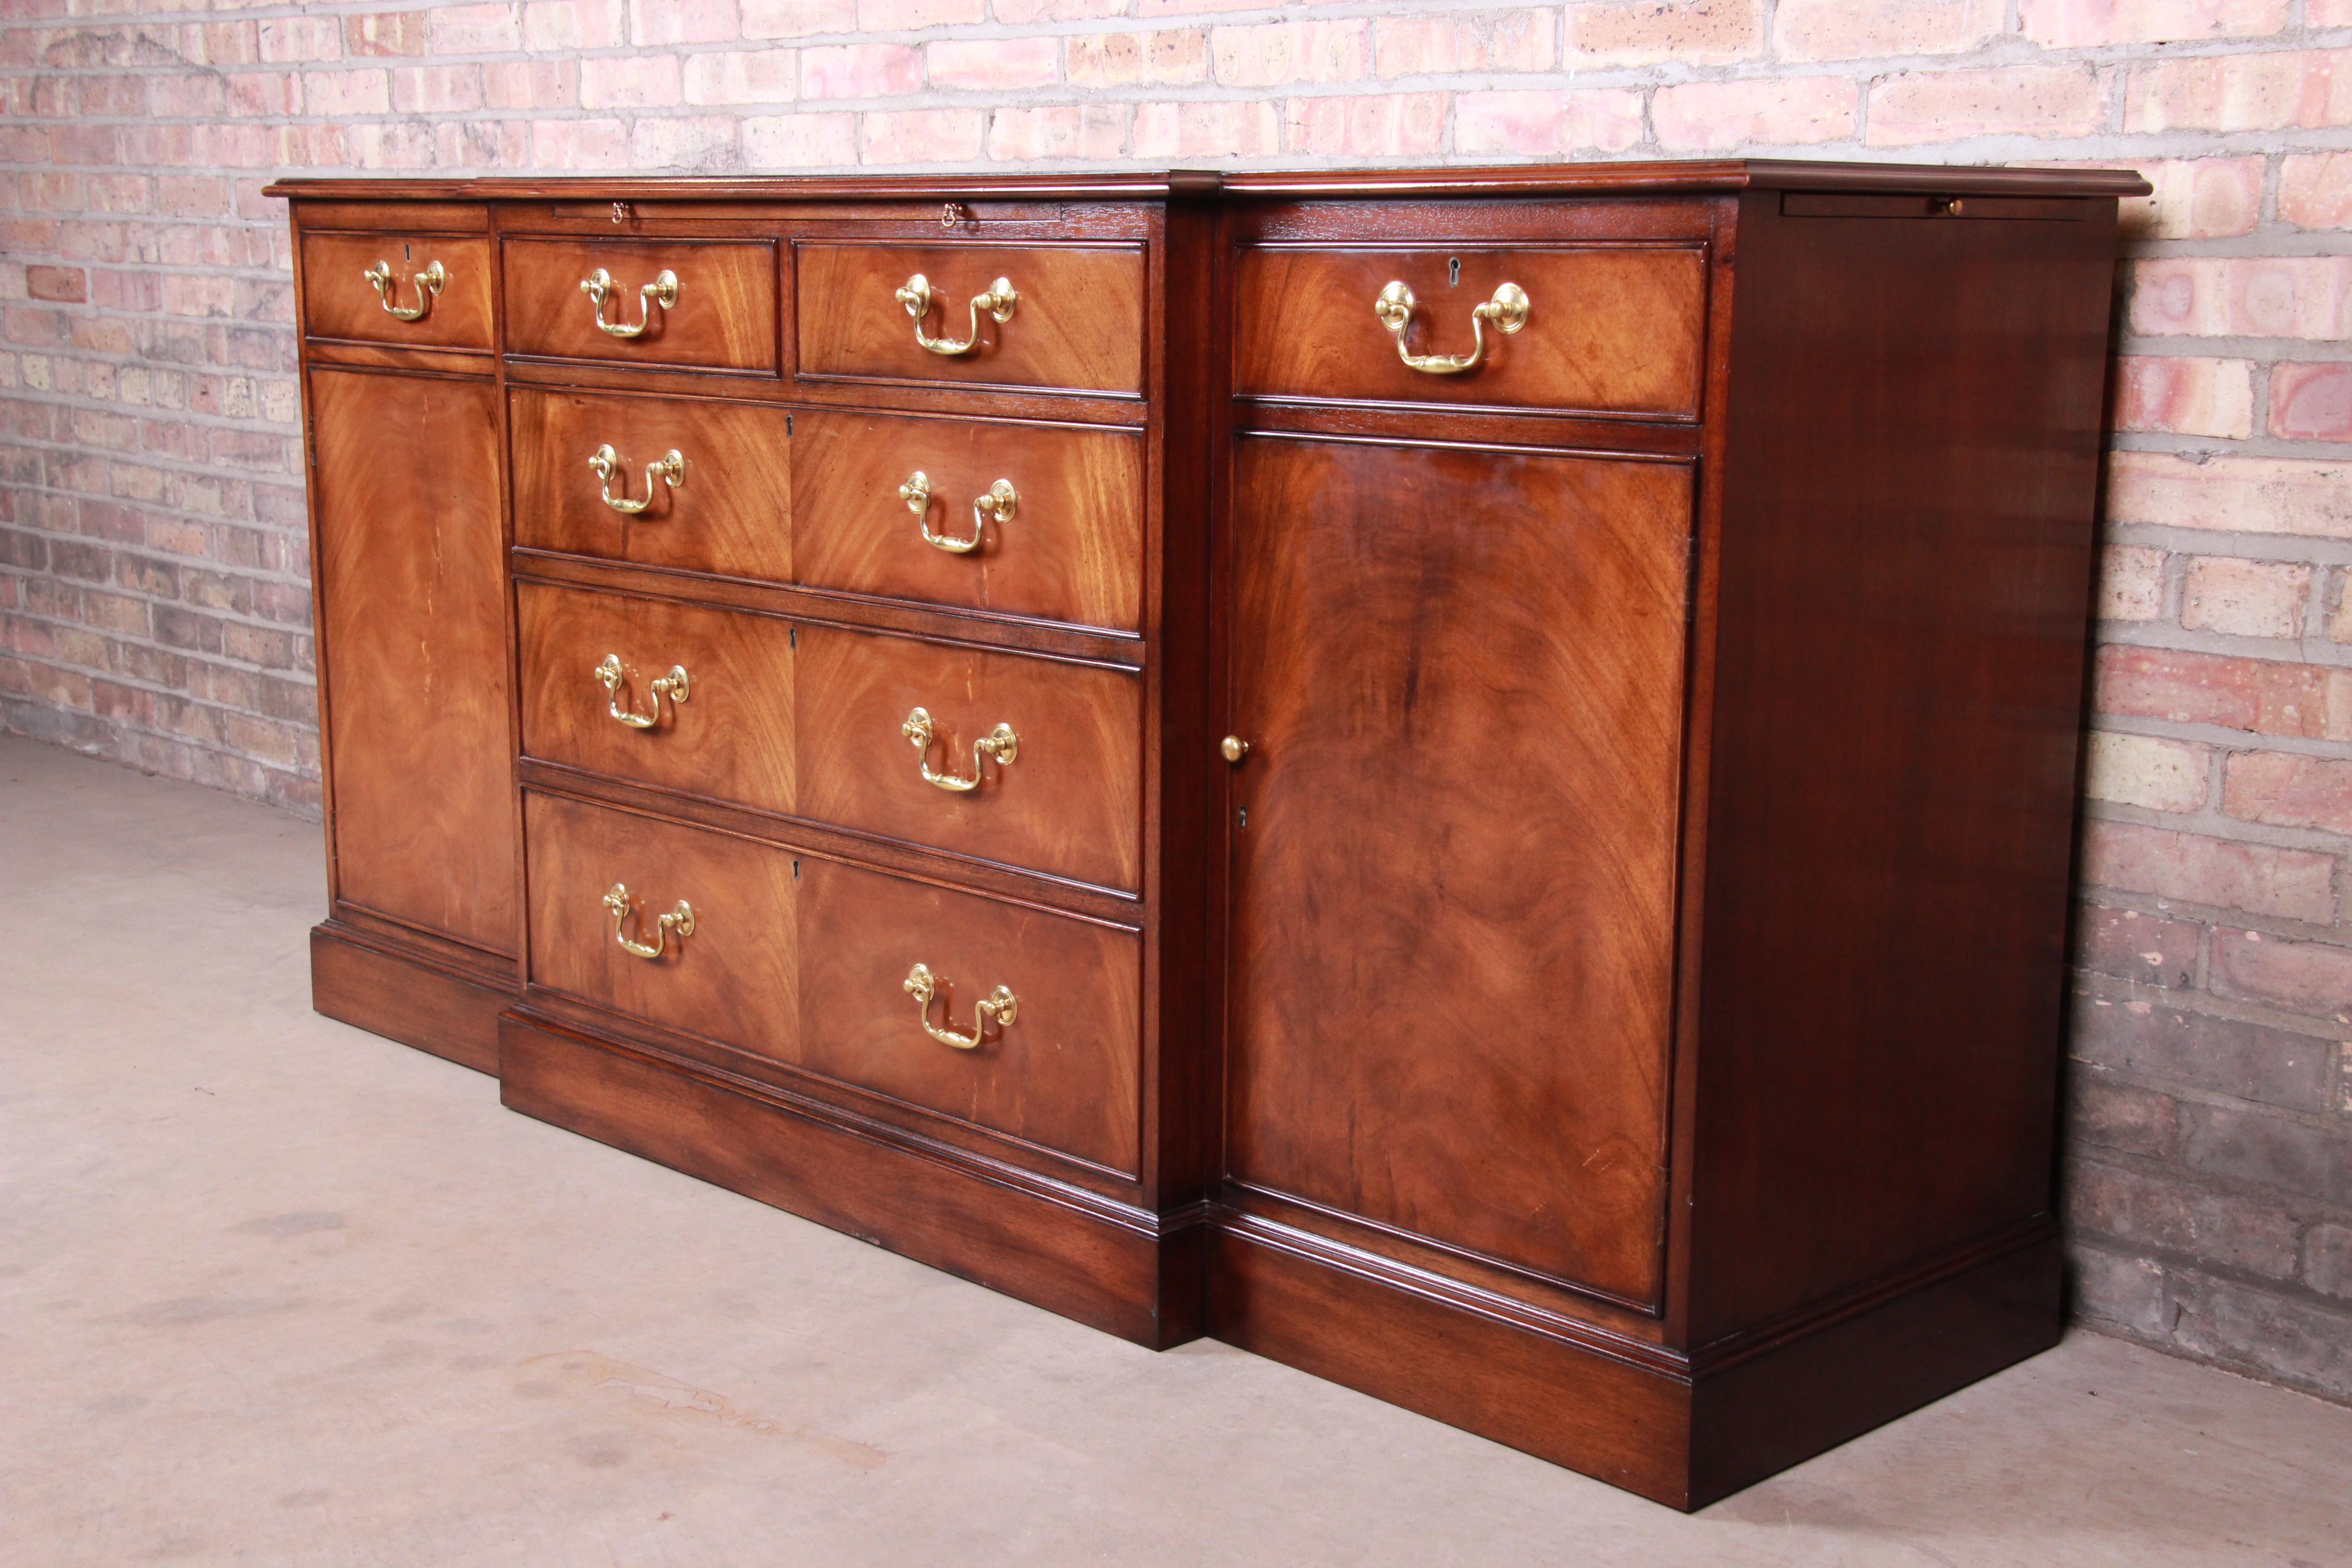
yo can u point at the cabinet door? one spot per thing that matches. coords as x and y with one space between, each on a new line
1460 675
412 627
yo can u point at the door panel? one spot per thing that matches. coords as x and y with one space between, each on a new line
412 615
1461 674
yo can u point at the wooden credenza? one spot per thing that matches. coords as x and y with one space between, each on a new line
1463 779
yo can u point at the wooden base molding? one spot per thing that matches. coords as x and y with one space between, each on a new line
371 983
1119 1269
1679 1430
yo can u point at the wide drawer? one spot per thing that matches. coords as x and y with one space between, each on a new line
1032 762
1059 792
721 313
1075 322
341 298
1607 329
724 506
590 667
807 961
1041 521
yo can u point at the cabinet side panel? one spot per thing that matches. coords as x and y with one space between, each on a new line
413 615
1905 557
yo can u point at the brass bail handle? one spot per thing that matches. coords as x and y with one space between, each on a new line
1000 742
999 1008
662 291
670 468
429 284
997 302
1507 311
672 686
679 920
997 504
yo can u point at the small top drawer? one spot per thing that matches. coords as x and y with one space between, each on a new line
421 290
1603 329
695 304
1067 319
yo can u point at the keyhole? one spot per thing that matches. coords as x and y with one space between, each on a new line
1244 822
1454 272
408 251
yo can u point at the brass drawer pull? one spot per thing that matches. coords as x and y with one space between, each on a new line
998 303
680 920
672 686
1000 742
1507 309
670 468
429 284
662 291
1000 1009
997 503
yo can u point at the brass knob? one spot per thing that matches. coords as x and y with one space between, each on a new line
1234 747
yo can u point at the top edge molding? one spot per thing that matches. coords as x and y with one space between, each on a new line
1522 180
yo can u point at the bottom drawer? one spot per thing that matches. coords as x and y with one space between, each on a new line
807 961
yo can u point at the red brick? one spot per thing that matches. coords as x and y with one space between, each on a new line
1650 32
993 65
1548 121
2262 696
2315 190
1276 53
2239 598
2016 101
1380 125
385 33
2289 789
1121 59
921 136
1229 130
2150 950
2131 583
1844 30
860 70
1446 43
2185 396
2312 402
58 285
2265 91
2170 1214
2309 977
2245 495
800 141
1721 116
2089 24
1095 132
2292 884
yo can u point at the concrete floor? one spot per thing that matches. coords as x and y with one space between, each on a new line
276 1290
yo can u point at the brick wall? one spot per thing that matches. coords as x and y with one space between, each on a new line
153 580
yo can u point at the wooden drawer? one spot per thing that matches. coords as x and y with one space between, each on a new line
809 721
339 301
731 738
1609 329
734 978
1069 803
729 511
1070 549
806 961
1076 322
1064 1073
724 316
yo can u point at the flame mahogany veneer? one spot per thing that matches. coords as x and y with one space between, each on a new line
1610 1002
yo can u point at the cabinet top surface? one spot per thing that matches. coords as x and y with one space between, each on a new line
1728 175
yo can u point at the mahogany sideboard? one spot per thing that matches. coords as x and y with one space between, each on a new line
1373 765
